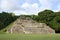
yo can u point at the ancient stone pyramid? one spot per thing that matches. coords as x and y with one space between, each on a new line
27 25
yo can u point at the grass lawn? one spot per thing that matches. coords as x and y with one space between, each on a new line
29 36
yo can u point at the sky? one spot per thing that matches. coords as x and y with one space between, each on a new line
28 7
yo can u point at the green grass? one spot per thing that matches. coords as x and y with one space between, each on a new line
29 36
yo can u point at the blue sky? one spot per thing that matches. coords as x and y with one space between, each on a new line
28 7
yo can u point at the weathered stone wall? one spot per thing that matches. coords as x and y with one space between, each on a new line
28 26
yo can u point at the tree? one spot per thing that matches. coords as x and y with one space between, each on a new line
55 23
51 18
5 19
45 15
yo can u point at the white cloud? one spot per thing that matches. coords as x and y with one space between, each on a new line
12 6
30 8
45 4
8 5
25 5
4 5
35 6
19 12
26 8
58 7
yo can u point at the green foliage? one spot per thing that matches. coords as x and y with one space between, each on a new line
6 19
51 18
55 23
34 17
45 16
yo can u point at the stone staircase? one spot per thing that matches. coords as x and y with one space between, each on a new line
27 25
